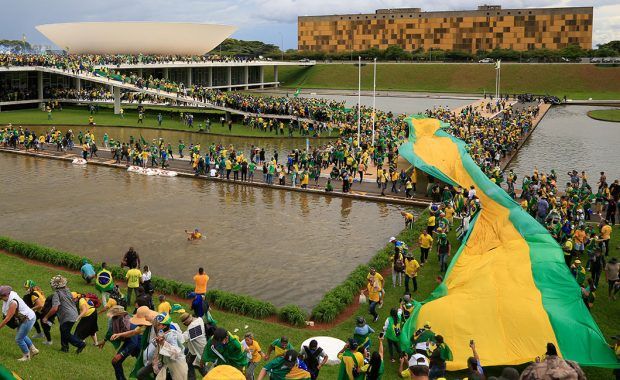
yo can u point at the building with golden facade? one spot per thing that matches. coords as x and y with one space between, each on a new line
486 28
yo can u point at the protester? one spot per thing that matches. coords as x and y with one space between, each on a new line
223 348
19 316
314 357
64 308
195 337
88 272
104 283
35 299
351 362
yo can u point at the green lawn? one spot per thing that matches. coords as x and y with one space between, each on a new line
576 81
606 115
97 363
72 115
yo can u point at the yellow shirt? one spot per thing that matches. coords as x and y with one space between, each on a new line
449 213
373 293
431 221
254 349
164 307
426 241
411 267
82 303
201 283
133 278
409 216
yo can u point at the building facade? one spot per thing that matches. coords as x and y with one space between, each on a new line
486 28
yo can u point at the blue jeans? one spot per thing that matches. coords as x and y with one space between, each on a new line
21 338
372 306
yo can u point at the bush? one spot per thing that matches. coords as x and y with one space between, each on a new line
292 314
240 304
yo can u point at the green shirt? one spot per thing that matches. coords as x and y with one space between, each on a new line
231 353
276 369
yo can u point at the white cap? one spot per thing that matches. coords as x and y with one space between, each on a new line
418 360
392 239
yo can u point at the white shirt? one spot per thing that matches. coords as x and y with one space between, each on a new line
197 345
22 308
146 276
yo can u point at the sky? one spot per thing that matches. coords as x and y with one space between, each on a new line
271 21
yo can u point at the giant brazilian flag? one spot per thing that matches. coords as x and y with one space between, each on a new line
507 287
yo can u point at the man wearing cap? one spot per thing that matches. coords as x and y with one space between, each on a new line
223 348
284 367
422 339
196 341
417 367
350 362
579 272
64 308
170 347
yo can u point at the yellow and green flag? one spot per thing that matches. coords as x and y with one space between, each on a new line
507 287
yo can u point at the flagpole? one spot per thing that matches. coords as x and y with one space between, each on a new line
374 90
359 98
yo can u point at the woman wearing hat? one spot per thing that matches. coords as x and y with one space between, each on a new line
19 316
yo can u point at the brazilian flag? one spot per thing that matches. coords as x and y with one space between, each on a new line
5 374
508 286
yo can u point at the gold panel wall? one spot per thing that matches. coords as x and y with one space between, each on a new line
470 31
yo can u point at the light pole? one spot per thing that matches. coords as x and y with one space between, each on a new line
359 98
281 44
497 77
374 89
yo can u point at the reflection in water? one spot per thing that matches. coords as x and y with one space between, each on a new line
568 139
257 240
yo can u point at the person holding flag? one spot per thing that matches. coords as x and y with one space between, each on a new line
104 283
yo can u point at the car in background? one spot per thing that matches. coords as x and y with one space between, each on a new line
486 60
304 60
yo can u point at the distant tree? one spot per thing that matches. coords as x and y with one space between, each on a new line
573 52
614 45
395 53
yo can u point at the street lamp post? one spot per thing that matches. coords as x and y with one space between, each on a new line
359 98
374 90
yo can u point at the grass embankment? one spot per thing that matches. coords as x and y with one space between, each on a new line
606 115
78 116
96 363
576 81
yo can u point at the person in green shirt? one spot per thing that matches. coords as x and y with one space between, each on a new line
392 328
351 362
279 346
181 147
251 169
284 367
224 348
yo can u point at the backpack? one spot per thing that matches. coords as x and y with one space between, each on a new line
312 358
116 295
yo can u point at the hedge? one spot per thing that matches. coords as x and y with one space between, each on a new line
338 298
240 304
292 314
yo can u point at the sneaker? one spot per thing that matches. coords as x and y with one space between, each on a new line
376 319
33 350
81 348
38 336
47 343
24 358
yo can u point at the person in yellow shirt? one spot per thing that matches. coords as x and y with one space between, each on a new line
605 236
426 242
350 358
134 278
164 306
408 219
200 281
87 319
430 224
373 292
411 272
253 350
579 238
449 211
